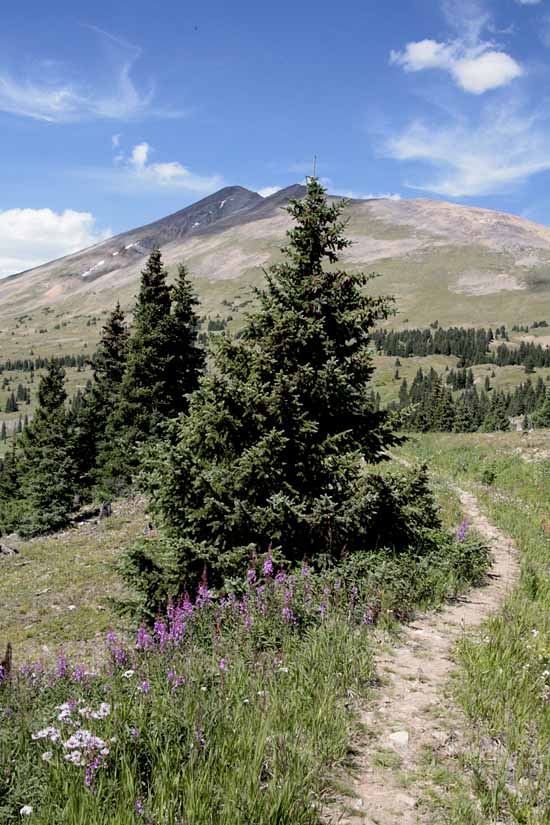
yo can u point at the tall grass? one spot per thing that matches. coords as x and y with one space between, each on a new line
504 679
233 709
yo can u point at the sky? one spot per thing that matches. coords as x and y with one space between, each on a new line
117 115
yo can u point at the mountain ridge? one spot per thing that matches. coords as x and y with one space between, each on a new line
442 261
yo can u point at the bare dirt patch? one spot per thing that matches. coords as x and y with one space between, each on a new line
412 712
485 283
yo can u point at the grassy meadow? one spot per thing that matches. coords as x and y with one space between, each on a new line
235 709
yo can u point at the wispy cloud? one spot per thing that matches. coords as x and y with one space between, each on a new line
134 171
58 94
501 147
391 196
29 237
475 65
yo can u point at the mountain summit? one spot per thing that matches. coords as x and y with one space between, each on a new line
456 264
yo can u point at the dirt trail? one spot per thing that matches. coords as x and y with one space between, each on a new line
411 712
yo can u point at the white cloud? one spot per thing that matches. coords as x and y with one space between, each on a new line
528 2
502 147
476 70
488 71
29 237
59 94
392 196
136 172
115 140
476 65
266 191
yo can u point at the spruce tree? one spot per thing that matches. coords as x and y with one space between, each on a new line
274 448
48 479
496 418
162 368
541 418
90 438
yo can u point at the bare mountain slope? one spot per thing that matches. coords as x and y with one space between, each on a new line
453 263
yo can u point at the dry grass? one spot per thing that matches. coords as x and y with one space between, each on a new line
59 589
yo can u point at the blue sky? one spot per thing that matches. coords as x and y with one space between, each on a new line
112 117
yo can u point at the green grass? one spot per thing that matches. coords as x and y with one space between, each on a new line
264 719
59 589
503 684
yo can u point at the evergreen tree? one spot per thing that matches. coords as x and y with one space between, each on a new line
162 368
497 416
11 403
92 447
273 449
541 418
47 469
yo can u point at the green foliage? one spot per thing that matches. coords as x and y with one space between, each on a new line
100 399
235 709
273 450
162 368
47 470
541 418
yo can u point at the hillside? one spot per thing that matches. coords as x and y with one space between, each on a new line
457 264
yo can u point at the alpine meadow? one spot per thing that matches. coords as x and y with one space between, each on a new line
275 457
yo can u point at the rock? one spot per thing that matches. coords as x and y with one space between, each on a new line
399 738
8 550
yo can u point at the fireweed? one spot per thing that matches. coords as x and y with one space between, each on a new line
230 709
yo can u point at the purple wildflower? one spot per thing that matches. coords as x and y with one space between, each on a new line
199 737
139 807
251 576
144 640
268 566
462 530
62 666
145 687
78 674
288 615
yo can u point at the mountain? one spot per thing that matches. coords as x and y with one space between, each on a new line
442 261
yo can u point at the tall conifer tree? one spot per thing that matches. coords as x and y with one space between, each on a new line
48 473
274 447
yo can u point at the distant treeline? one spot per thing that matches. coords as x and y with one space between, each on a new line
430 404
471 346
31 364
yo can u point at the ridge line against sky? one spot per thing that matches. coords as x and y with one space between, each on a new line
111 122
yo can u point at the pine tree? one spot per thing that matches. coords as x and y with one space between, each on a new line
496 418
273 449
163 366
47 469
541 418
11 403
92 447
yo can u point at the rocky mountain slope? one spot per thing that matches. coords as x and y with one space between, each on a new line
442 261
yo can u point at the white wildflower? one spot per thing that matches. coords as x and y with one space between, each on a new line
26 810
75 757
47 756
128 674
50 733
